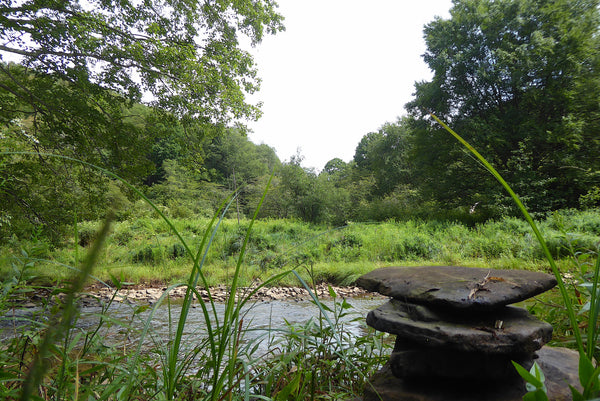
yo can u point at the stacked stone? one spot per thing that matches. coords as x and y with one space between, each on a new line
456 334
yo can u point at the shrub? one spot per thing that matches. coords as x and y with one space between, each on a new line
123 236
86 235
176 251
148 254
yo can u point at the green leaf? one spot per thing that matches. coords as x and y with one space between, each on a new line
537 372
324 307
5 376
537 395
141 309
586 372
116 281
290 389
527 376
346 304
577 396
332 293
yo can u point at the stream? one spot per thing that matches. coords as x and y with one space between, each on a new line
263 321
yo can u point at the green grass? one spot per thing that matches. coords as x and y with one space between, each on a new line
53 358
145 251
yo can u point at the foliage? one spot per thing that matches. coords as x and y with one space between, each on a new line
322 357
120 84
230 367
301 193
241 166
186 55
184 193
386 155
518 76
536 389
225 366
39 193
520 79
591 199
589 375
143 250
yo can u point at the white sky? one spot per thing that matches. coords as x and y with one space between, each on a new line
341 69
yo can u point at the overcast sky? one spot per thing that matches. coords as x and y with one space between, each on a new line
341 69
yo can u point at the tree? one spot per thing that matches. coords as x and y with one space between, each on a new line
185 194
338 172
233 160
335 166
383 185
299 193
234 154
186 54
73 73
385 155
519 79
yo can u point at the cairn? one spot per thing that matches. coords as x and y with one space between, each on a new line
456 335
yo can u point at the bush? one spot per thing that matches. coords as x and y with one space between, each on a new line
148 254
86 235
416 246
176 251
591 199
122 237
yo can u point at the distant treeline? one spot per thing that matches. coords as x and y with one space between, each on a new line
519 79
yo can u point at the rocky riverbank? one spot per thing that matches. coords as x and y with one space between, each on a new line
151 294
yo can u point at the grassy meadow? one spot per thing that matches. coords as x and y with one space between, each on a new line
145 250
54 358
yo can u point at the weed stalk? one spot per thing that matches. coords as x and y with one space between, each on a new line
588 375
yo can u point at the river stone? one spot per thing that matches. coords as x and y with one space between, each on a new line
509 330
457 286
426 362
560 366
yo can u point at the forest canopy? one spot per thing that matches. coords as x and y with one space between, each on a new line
156 92
104 81
520 80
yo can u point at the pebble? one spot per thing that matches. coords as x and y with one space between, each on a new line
220 293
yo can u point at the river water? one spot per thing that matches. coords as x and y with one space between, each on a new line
263 321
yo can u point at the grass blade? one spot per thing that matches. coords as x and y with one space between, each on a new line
40 364
561 285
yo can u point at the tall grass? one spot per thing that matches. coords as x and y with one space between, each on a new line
588 373
315 360
60 328
68 362
143 251
322 359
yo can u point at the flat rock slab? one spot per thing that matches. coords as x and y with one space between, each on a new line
558 364
425 363
457 287
509 330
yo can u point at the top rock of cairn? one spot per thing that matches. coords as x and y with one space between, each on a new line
457 287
